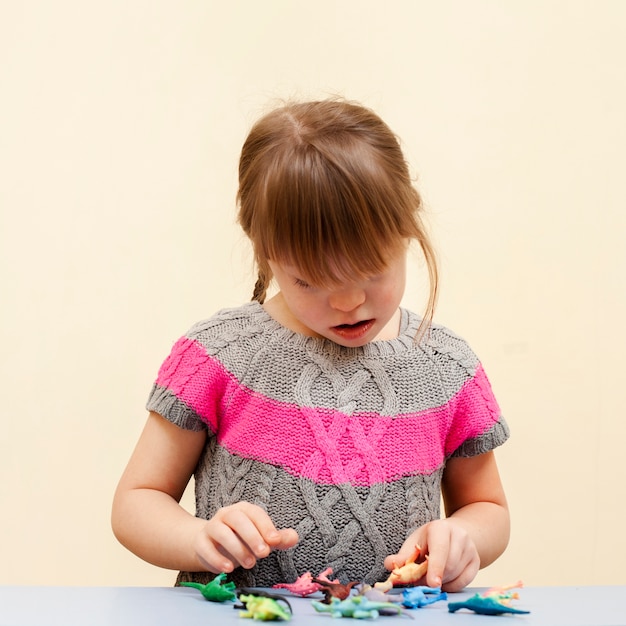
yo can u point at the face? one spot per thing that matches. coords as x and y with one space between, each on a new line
350 314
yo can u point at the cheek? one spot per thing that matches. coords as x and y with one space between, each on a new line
303 304
390 292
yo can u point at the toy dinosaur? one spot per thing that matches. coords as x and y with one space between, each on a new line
214 590
263 606
358 607
417 597
375 595
407 574
504 592
304 585
334 590
494 601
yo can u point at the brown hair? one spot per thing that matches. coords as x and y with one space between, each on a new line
324 186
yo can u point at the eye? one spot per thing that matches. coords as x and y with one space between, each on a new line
301 283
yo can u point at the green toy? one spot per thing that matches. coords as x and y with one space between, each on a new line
265 608
214 590
358 607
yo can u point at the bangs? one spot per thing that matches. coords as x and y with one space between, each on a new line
334 220
324 187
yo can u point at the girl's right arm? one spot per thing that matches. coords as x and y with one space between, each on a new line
148 519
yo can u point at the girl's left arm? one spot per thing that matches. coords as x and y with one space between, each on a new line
475 531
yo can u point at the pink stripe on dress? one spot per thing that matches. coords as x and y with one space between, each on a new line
325 445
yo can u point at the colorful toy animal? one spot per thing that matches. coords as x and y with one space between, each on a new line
304 586
375 595
214 590
417 597
358 607
263 607
494 601
407 574
334 590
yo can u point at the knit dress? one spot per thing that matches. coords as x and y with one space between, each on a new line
345 445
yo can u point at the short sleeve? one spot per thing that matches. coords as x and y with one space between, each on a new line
181 389
475 421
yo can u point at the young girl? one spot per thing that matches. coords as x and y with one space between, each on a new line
323 424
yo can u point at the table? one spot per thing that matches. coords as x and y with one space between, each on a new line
160 606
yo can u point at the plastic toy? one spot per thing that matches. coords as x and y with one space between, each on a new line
494 601
407 574
214 590
263 606
375 595
334 590
304 586
417 597
358 607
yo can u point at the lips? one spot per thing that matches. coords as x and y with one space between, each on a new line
353 331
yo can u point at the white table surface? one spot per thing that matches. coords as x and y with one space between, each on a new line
159 606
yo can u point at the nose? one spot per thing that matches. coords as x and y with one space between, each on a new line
347 299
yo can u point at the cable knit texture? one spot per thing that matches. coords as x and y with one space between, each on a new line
345 445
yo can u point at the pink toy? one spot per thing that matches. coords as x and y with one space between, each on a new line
305 585
407 574
504 592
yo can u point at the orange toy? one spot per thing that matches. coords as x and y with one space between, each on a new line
407 574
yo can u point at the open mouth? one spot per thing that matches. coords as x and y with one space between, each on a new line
353 331
356 325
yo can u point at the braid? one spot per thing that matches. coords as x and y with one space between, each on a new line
260 288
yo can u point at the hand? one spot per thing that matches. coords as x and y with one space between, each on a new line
453 559
238 535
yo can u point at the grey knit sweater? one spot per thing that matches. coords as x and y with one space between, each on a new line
345 445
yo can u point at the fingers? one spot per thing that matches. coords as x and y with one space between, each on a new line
453 559
439 548
397 560
239 535
464 579
288 539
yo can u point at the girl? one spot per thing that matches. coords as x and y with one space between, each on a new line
323 424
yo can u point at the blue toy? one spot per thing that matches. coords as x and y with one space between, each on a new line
417 597
494 601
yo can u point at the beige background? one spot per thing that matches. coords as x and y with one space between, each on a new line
120 126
